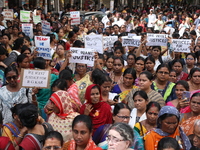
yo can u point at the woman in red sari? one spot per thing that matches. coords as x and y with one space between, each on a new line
99 111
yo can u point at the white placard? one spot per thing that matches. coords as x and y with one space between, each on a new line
75 16
25 16
130 35
35 78
36 19
82 55
42 44
111 5
8 14
134 41
28 29
94 42
156 39
108 41
181 45
46 27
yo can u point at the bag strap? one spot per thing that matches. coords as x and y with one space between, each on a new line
45 128
8 145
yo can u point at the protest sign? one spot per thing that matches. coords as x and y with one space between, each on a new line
75 16
8 14
134 41
82 55
108 41
28 29
130 35
36 19
32 78
24 16
181 45
46 27
42 44
95 42
156 39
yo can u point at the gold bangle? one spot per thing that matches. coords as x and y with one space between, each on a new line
20 136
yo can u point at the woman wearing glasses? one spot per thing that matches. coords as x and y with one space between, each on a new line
120 137
190 62
12 94
121 113
162 85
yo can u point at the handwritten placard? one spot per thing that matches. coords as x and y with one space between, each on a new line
46 27
134 41
130 35
36 19
181 45
157 39
35 78
24 16
83 55
8 14
75 16
94 42
28 29
42 44
108 41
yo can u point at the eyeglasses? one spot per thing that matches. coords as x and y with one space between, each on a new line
124 117
113 139
197 136
12 77
161 72
52 147
189 58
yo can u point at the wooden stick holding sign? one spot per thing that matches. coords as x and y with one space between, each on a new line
31 78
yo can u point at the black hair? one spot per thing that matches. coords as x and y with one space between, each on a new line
60 84
15 109
130 54
153 104
20 58
192 71
28 115
193 32
8 35
119 48
168 142
122 61
85 119
24 48
184 84
75 29
147 74
150 57
71 34
101 56
130 71
52 36
54 134
190 54
127 18
3 51
105 78
18 43
78 43
97 75
15 26
160 57
162 66
10 68
39 62
118 107
27 38
141 93
65 74
195 95
117 44
177 60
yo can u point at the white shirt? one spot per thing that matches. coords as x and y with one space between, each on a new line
151 19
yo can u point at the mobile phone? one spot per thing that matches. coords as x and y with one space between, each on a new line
186 96
116 98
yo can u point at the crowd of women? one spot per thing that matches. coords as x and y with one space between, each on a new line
141 98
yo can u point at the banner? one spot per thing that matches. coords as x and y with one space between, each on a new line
156 39
108 41
75 16
25 16
181 45
46 27
32 78
95 42
134 41
42 44
28 29
8 14
82 55
36 19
